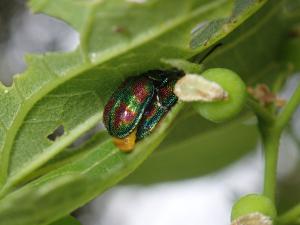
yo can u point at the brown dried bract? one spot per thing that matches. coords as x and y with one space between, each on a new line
264 96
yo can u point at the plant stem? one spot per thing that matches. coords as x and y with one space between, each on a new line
271 129
270 137
261 112
293 214
285 70
289 109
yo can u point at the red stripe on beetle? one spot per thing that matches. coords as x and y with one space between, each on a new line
140 90
107 110
124 115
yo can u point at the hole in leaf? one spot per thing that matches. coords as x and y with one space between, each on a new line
58 132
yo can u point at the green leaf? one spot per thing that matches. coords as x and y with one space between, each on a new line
58 8
216 29
238 55
69 220
235 139
203 152
292 11
291 53
74 86
72 185
183 65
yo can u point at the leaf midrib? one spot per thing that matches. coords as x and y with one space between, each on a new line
249 32
117 51
227 48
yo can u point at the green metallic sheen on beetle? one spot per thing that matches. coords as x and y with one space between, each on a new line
158 108
140 103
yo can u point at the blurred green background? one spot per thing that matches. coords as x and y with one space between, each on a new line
205 193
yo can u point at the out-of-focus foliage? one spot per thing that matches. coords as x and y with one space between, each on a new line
119 39
69 220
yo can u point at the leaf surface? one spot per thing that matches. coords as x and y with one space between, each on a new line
75 86
69 220
72 185
70 89
203 152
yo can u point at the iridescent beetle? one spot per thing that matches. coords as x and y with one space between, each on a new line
138 105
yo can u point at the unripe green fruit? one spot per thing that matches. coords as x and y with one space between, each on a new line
253 203
226 109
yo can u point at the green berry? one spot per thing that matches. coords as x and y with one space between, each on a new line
226 109
253 203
